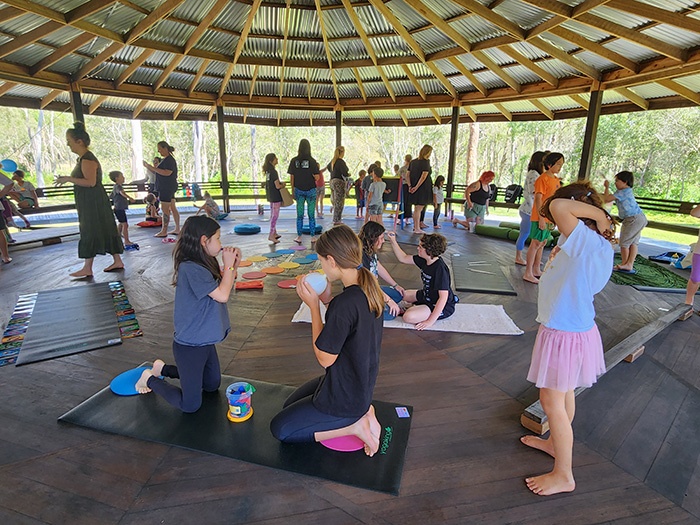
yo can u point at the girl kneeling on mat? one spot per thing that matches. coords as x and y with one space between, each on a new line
568 351
201 317
436 300
339 403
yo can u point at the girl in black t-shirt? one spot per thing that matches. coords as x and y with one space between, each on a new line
304 173
166 185
274 197
339 403
436 300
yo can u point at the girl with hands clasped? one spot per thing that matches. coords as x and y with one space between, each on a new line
339 403
436 300
372 238
200 317
568 351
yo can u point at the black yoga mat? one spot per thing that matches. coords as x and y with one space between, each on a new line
69 321
661 290
151 418
479 274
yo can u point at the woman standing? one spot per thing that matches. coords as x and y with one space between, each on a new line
98 232
274 185
304 172
166 186
534 169
339 174
421 185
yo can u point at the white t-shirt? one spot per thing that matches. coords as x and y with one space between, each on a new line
377 191
439 195
529 192
579 271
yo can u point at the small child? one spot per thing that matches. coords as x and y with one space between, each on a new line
211 208
438 199
436 300
339 403
694 280
372 238
375 197
633 219
568 351
121 201
200 316
360 195
153 209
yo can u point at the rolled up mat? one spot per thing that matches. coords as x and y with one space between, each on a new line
492 231
511 225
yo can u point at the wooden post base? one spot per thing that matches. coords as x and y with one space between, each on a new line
534 426
686 315
50 241
631 358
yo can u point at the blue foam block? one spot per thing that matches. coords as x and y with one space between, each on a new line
305 229
247 229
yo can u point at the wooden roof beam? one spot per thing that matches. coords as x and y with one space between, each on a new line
487 14
30 37
253 81
211 112
137 63
204 24
198 76
594 47
580 101
152 19
174 62
439 23
88 8
177 111
371 117
359 84
245 115
456 62
387 84
284 48
7 86
360 30
61 52
97 61
470 112
586 6
327 48
680 90
10 13
504 111
529 64
544 109
403 117
560 54
443 79
50 97
435 114
633 97
308 85
662 16
239 46
96 104
399 28
414 81
495 68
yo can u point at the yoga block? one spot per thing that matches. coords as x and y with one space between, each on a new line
534 426
635 355
306 229
50 241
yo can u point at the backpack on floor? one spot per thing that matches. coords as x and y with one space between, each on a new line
513 193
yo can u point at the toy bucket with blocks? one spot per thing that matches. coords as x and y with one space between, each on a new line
239 397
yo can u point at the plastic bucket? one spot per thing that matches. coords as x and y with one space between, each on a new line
239 401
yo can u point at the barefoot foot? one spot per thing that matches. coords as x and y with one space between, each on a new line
142 383
521 262
374 425
298 240
157 369
114 267
545 445
363 431
81 273
552 483
531 279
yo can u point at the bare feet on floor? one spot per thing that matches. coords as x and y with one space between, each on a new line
113 267
521 262
418 231
552 483
142 383
531 279
157 369
81 273
273 240
161 234
545 445
297 240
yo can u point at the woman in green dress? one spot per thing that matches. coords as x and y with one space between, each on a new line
98 232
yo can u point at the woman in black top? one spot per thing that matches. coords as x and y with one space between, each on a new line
339 174
274 197
166 185
421 185
304 172
339 403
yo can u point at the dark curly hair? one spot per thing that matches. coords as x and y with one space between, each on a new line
434 244
369 233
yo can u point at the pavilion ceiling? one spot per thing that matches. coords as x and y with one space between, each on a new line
382 62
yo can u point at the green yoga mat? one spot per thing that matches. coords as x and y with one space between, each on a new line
503 232
649 274
149 417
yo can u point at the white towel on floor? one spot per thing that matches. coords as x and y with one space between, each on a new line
468 318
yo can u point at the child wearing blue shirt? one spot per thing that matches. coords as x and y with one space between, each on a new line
200 316
633 219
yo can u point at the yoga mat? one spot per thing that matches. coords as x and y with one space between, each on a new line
149 417
661 290
471 276
648 274
71 320
489 319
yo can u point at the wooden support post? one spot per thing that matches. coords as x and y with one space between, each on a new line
223 158
686 315
631 358
589 136
454 134
76 105
338 128
534 418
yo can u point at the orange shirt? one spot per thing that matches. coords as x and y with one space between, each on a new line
546 185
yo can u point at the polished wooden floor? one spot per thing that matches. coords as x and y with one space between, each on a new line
636 453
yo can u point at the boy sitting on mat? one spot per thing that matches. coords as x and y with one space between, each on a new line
436 300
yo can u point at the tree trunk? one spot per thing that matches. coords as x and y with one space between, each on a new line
472 152
136 151
52 148
254 158
197 131
36 149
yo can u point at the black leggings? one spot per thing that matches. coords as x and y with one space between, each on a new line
299 420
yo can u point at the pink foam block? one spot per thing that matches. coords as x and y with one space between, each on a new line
344 444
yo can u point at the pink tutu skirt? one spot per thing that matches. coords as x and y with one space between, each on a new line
564 361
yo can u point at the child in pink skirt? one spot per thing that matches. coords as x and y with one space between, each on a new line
568 351
694 280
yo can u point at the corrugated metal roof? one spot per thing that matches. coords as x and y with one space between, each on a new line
670 34
649 91
692 82
525 15
627 20
630 50
433 40
117 17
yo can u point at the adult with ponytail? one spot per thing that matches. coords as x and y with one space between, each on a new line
166 186
339 174
339 403
98 232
